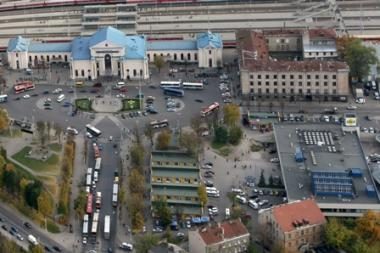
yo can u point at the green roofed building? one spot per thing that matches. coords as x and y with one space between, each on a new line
175 178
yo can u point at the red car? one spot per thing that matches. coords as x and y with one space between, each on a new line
123 89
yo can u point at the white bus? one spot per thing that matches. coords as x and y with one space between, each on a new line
107 227
95 220
192 86
85 225
98 163
93 130
170 84
60 98
115 192
88 180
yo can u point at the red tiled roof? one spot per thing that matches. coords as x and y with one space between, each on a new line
305 211
226 230
322 33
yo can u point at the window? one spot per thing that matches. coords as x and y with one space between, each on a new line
267 83
283 76
274 76
284 91
299 91
308 84
259 83
259 90
251 76
317 53
316 83
251 83
209 51
275 83
76 73
252 90
48 58
267 76
30 58
291 91
283 83
299 76
334 83
316 76
196 56
17 55
291 83
324 83
189 56
141 72
308 77
134 72
291 76
82 72
97 65
181 57
325 77
258 76
267 91
275 90
334 77
299 83
118 64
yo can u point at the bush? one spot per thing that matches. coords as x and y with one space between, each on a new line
52 227
221 135
235 135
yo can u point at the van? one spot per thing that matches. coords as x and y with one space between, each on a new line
211 189
29 71
32 240
227 213
79 83
60 98
253 204
96 176
241 199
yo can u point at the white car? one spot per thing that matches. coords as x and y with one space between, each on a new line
352 107
170 109
227 213
274 160
19 237
56 91
72 130
120 95
89 135
126 246
26 96
207 166
360 101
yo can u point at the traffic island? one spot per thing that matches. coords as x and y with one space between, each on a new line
131 104
83 104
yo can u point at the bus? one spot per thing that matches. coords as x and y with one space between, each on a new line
96 151
115 192
107 227
98 163
3 98
23 86
89 203
192 86
95 220
85 225
159 124
170 84
210 109
174 92
93 130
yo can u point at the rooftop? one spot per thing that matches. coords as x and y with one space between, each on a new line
225 230
209 39
50 47
329 152
172 156
172 45
322 33
18 44
306 212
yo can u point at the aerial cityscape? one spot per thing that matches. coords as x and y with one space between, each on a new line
190 126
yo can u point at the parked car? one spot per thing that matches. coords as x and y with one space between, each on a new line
97 85
126 246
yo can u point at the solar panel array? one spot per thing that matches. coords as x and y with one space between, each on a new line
332 183
318 138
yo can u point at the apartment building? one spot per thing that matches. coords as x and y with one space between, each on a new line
175 177
293 227
228 236
283 64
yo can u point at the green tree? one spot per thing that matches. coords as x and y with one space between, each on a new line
2 167
262 182
162 210
336 235
135 203
137 222
11 178
145 242
221 135
235 135
45 204
32 192
163 140
137 155
41 128
58 132
80 204
368 226
159 62
358 56
195 123
136 181
4 120
190 141
36 249
271 180
231 114
202 194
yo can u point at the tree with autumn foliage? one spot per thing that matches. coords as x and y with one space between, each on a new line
358 56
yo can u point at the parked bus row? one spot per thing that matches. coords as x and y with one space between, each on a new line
183 85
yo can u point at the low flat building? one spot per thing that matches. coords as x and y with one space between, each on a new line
289 64
322 161
110 53
228 236
175 178
293 227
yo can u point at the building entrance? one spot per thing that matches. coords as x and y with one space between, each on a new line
108 65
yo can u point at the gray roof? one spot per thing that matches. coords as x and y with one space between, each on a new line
179 156
297 176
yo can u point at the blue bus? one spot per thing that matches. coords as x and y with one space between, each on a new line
174 92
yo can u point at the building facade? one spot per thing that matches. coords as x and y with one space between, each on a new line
285 65
175 178
109 52
228 236
293 227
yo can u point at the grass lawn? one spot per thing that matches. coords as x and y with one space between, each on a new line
36 165
221 149
56 147
11 133
83 104
130 104
52 227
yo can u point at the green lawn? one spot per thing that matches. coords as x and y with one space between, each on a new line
83 104
52 227
130 104
221 149
56 147
36 165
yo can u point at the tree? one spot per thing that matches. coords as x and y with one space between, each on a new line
271 180
32 192
137 221
36 249
231 114
2 166
195 123
163 140
358 56
136 182
221 135
159 62
45 204
135 203
80 204
149 133
58 132
190 141
336 234
368 226
137 155
235 135
202 194
48 129
262 182
4 120
162 210
10 178
40 127
145 242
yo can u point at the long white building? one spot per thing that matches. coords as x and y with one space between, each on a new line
109 52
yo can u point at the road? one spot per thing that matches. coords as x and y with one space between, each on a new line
12 218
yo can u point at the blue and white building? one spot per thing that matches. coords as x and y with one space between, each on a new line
109 52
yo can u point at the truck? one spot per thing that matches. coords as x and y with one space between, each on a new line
98 201
88 180
115 192
107 227
95 220
32 240
332 110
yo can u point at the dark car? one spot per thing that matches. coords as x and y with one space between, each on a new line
70 91
17 98
56 248
14 229
152 87
34 95
45 92
48 108
4 227
27 225
98 85
94 91
99 96
83 91
199 100
47 249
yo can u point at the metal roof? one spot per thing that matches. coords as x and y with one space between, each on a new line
50 47
18 44
80 48
172 45
108 34
209 39
135 47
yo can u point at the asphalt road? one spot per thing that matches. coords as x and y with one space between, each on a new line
12 218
